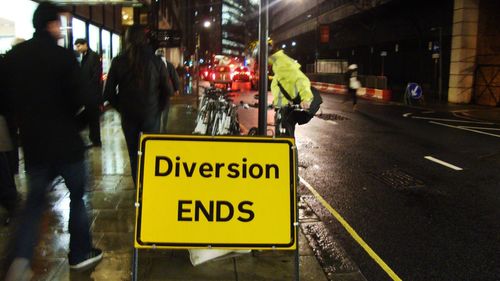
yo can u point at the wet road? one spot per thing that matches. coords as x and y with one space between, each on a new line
420 188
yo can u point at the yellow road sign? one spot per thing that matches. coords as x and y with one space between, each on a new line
219 192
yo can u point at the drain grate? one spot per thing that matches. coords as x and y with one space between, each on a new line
399 180
332 116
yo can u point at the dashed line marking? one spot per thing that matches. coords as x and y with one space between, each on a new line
441 162
352 232
407 114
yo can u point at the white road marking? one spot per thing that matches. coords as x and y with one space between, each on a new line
443 163
407 114
456 114
332 122
465 129
480 128
452 120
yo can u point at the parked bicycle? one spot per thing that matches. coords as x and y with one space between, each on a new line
217 115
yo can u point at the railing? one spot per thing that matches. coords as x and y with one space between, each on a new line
367 81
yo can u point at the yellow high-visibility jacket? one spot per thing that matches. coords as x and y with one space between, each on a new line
294 82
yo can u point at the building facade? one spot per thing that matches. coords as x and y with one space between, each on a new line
442 45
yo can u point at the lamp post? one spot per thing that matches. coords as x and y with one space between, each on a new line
206 25
440 78
263 35
317 37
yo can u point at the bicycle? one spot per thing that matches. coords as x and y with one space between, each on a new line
217 114
281 127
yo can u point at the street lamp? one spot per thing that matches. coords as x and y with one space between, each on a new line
440 81
206 25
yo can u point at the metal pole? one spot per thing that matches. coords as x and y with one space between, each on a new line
263 35
317 38
440 63
135 264
196 64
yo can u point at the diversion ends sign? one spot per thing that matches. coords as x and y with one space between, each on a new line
219 192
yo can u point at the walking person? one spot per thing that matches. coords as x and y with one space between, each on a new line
8 192
137 87
173 81
42 85
91 71
352 83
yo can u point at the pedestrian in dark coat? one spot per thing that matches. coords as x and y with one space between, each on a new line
8 192
91 70
173 81
43 90
143 90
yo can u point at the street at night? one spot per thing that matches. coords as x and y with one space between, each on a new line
249 140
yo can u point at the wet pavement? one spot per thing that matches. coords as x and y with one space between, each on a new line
111 199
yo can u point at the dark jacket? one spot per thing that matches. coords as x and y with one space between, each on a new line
172 75
91 69
131 98
42 89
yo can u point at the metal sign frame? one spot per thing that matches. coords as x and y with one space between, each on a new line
290 245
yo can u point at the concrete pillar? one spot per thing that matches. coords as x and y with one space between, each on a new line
463 50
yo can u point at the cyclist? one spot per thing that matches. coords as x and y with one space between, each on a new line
291 83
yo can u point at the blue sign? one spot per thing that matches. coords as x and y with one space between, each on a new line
414 90
435 47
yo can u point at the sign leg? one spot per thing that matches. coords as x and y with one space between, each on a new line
135 264
297 261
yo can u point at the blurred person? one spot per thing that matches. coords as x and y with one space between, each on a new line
43 91
173 80
9 197
137 86
291 85
352 83
91 71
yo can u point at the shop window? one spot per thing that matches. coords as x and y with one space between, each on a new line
94 38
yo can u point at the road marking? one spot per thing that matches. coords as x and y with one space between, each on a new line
332 122
446 164
352 232
480 128
458 115
465 129
407 114
453 120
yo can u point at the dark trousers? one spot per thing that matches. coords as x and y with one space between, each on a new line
92 114
354 97
39 179
132 128
164 120
8 191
